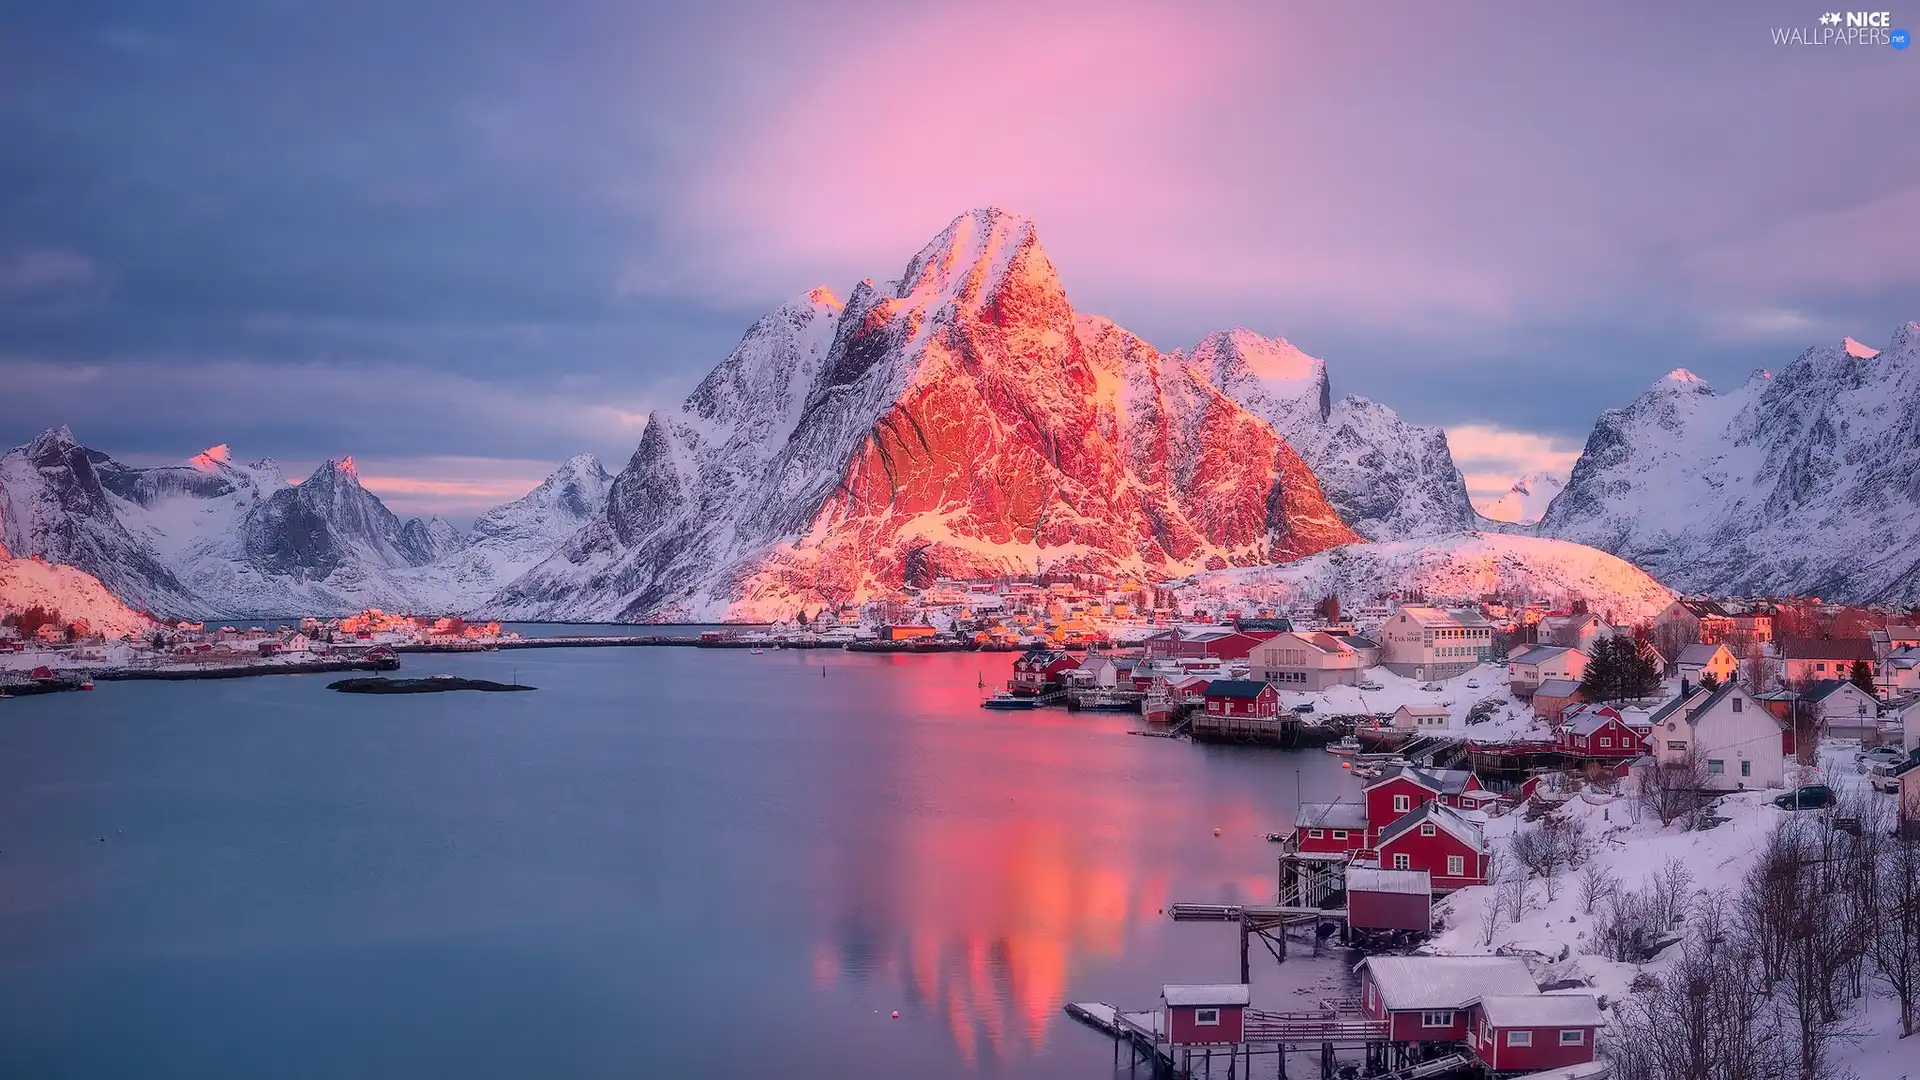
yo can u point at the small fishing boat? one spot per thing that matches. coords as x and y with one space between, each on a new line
1008 701
1346 747
1108 703
756 651
87 685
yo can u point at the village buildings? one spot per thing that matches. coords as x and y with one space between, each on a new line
1806 660
1537 664
1309 662
1740 743
1695 662
1423 642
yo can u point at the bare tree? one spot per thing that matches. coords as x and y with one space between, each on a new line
1671 791
1596 884
1667 894
1895 943
1759 668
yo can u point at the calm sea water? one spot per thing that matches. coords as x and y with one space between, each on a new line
663 862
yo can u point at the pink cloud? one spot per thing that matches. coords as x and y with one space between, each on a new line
1492 458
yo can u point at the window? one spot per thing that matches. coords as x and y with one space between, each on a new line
1736 704
1606 741
1456 865
1436 1019
1402 803
1427 829
1746 768
1519 1038
1341 834
1206 1017
1573 1036
1402 862
1673 745
1820 666
1716 767
1370 997
1316 834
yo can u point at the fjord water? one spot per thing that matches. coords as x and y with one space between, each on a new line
665 861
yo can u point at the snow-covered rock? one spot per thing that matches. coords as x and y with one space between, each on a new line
1525 503
1806 481
1463 566
1389 480
961 421
75 594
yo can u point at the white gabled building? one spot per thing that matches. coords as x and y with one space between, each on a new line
1421 642
1742 744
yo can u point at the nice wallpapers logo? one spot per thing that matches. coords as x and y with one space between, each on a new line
1845 28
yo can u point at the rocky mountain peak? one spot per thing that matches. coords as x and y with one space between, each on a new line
212 458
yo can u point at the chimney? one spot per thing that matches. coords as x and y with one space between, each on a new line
1684 688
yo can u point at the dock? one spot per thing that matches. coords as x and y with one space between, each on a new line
1323 1033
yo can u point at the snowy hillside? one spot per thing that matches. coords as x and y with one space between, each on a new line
1389 480
76 595
1463 566
1806 481
962 421
214 537
1526 501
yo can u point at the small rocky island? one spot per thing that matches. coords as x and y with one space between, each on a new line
432 684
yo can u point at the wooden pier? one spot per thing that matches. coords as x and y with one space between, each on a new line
1323 1034
1281 730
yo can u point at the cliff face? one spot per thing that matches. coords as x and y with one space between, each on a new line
964 421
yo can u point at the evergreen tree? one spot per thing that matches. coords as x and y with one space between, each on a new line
1616 671
1862 676
1709 682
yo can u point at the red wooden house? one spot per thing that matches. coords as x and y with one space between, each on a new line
1404 790
1532 1032
1427 998
1214 643
1598 731
1435 838
1242 698
1331 828
1205 1014
1038 671
1389 899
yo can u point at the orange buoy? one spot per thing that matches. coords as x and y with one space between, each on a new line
896 1014
1216 832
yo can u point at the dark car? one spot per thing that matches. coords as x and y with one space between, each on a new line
1811 797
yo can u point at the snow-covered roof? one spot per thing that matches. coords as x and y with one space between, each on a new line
1447 982
1540 654
1333 815
1826 688
1433 616
1443 781
1206 994
1541 1010
1556 688
1376 880
1439 814
1698 654
1589 720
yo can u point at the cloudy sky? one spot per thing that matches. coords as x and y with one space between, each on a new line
463 241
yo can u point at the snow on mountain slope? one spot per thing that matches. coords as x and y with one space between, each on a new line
1526 501
1463 566
217 538
1388 479
1806 481
77 595
963 421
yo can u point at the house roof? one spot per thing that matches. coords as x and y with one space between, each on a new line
1375 880
1808 648
1705 609
1442 781
1447 982
1440 815
1422 710
1355 641
1236 688
1540 654
1822 689
1699 654
1590 719
1333 815
1556 688
1541 1010
1183 994
1433 616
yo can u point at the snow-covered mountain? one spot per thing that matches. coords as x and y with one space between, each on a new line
1462 566
962 421
74 594
1389 480
214 537
1526 501
1806 481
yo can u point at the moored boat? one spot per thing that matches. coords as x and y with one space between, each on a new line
1346 747
1008 701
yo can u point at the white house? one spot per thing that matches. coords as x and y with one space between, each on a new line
1847 711
1411 717
1575 631
1310 662
1697 661
1898 672
1908 715
1527 669
1742 744
1421 642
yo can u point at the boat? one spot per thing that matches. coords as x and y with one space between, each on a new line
1109 703
756 650
1008 701
1346 747
87 685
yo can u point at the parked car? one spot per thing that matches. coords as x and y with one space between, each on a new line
1430 687
1371 685
1884 777
1304 707
1810 797
1881 755
1473 684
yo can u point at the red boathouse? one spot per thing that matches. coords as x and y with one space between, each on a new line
1205 1014
1242 698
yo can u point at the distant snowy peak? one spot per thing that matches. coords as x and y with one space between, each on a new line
564 501
1387 478
1806 480
1526 501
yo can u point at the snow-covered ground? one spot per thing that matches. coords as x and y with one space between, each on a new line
1634 847
75 594
1510 718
